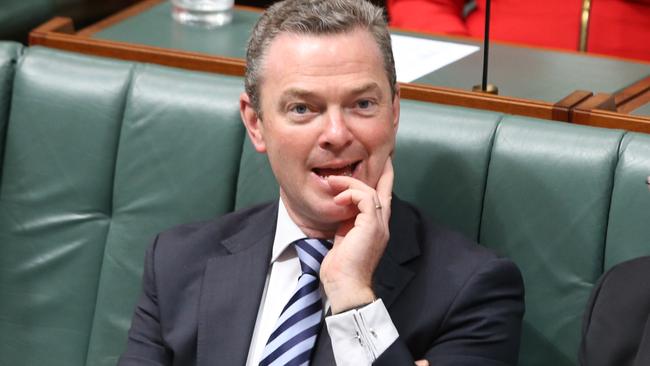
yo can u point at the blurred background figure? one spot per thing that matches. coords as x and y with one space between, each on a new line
616 323
612 27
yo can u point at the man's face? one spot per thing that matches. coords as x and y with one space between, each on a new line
327 110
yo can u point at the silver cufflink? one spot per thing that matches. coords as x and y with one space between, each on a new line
358 337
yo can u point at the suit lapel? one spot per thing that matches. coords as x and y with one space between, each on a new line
391 276
390 280
231 291
323 355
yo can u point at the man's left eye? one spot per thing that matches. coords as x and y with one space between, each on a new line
364 104
300 109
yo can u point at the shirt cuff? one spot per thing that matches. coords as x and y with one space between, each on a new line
359 336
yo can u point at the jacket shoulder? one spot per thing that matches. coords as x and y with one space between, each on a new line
202 239
454 257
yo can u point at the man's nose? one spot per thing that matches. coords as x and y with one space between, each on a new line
336 133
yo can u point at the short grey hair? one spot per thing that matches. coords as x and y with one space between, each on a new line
315 17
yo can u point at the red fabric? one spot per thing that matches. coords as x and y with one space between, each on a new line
616 27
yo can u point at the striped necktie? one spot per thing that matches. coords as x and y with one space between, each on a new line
296 330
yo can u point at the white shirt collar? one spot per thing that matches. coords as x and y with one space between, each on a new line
286 232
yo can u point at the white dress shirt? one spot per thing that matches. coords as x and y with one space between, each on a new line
358 336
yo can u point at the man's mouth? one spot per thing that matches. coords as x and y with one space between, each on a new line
346 170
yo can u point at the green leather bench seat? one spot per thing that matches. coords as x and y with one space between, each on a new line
102 154
628 230
546 203
55 208
94 164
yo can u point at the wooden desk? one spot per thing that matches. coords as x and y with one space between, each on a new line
532 82
628 108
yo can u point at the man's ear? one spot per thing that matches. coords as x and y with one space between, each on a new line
253 123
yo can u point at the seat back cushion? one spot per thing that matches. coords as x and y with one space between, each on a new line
548 192
177 162
100 156
55 202
441 161
628 232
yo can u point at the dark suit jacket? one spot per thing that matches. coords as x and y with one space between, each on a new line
452 301
616 325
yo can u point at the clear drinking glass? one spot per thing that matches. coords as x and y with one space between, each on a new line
204 13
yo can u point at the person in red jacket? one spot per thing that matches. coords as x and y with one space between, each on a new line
612 27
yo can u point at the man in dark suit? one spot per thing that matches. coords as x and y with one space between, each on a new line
616 323
322 102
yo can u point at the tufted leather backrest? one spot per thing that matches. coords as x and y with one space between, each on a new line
546 203
102 154
628 229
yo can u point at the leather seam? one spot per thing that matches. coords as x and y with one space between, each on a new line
487 174
619 152
14 64
127 96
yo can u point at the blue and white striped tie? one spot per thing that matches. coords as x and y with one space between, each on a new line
296 330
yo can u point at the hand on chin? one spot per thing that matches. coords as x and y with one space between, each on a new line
360 240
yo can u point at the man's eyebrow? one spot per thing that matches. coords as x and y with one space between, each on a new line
371 86
295 93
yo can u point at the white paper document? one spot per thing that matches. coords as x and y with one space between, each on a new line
416 57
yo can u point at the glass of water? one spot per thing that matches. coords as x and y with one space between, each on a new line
203 13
